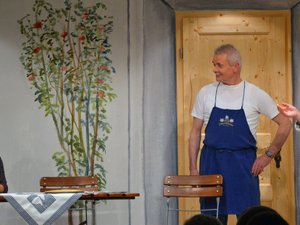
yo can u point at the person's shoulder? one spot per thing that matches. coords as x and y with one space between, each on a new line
249 84
210 86
207 89
254 88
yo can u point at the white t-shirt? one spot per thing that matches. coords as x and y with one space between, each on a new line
256 101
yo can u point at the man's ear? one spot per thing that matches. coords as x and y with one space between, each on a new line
236 67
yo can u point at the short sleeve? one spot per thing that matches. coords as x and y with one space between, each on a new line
266 104
198 111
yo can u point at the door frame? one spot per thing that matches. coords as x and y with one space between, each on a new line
182 153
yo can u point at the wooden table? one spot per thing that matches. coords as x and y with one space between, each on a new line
109 196
96 196
101 196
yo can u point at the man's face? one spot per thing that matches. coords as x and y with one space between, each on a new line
225 73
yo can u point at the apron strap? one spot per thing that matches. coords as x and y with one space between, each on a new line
243 95
216 94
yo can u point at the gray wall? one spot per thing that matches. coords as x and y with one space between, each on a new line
159 106
296 98
28 139
230 4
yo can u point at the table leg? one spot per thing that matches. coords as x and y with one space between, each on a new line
93 213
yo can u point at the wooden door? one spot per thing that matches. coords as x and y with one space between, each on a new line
263 39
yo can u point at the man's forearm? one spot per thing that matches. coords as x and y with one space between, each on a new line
280 136
194 144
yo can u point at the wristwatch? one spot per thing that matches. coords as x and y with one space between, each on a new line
269 153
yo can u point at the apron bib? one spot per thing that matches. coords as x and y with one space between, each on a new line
230 149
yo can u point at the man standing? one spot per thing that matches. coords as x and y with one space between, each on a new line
229 109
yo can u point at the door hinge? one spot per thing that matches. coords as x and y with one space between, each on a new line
181 53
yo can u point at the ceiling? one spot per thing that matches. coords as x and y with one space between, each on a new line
231 4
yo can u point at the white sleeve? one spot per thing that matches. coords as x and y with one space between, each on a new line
204 102
266 105
198 109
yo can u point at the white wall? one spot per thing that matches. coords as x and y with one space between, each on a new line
28 139
142 147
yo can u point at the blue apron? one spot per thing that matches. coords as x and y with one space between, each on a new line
230 149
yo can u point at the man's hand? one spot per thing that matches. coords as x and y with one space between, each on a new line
259 164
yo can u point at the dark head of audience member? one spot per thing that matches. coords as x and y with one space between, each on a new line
261 215
202 219
3 183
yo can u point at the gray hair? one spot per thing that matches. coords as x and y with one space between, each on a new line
232 53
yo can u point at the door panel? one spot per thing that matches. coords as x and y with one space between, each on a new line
263 39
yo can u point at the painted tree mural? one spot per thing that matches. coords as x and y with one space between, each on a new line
65 53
